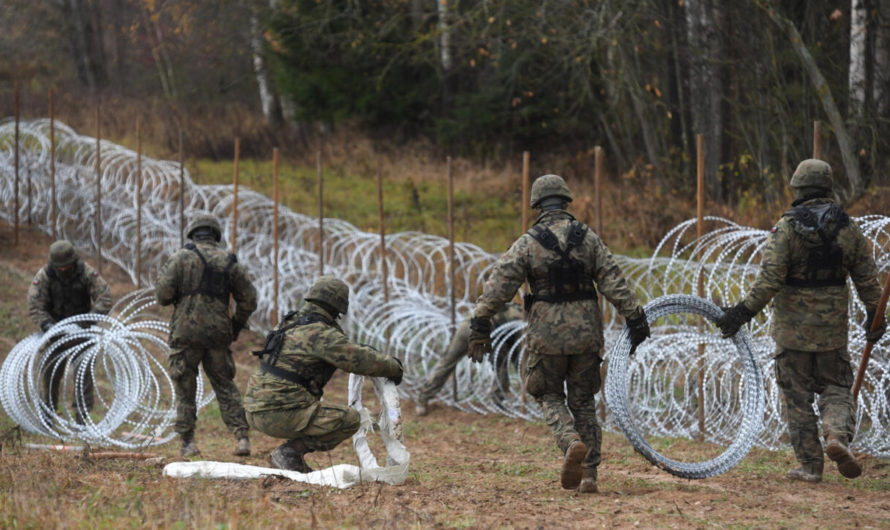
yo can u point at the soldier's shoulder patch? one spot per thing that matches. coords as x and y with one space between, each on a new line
36 281
774 229
95 274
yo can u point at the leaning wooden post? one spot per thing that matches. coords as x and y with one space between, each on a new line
181 192
817 139
275 199
139 204
52 164
598 204
235 195
700 209
875 325
525 192
15 224
320 176
383 266
98 192
451 288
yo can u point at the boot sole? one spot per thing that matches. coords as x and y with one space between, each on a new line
846 462
571 466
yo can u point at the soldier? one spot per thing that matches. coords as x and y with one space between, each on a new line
65 287
198 280
457 350
808 256
565 264
283 397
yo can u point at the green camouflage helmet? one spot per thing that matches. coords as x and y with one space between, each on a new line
204 220
549 186
330 291
62 253
812 173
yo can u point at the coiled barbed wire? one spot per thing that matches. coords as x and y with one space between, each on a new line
735 380
121 357
415 323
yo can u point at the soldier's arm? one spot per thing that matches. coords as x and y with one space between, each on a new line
773 268
38 300
100 293
358 359
504 279
167 286
610 280
244 294
863 271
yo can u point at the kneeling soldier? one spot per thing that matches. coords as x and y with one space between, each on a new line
283 397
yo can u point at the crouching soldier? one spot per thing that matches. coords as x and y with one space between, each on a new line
283 397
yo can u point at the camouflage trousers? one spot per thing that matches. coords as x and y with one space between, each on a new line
220 369
800 375
55 373
329 425
548 376
457 350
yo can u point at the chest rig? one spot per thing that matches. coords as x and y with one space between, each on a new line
566 279
824 262
214 283
69 296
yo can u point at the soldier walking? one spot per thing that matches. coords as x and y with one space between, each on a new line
284 395
65 287
566 264
198 279
810 253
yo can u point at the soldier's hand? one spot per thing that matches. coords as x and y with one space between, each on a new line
733 319
874 336
479 340
638 330
397 379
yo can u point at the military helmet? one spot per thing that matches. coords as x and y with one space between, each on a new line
203 220
812 173
549 186
330 291
62 253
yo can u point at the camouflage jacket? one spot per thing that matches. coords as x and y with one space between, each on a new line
314 351
200 320
53 298
812 318
564 328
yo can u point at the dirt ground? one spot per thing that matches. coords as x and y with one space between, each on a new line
467 470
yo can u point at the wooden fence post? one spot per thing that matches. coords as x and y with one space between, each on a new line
235 196
98 222
181 192
320 176
275 199
139 204
817 139
15 224
52 164
700 209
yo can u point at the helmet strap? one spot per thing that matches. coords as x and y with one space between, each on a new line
205 233
805 193
552 203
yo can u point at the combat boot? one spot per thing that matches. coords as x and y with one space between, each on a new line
847 464
420 406
570 476
289 456
588 481
189 447
807 473
242 447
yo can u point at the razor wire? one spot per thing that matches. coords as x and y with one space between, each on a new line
112 385
414 323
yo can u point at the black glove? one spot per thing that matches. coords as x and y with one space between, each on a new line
397 379
236 329
874 336
638 330
734 318
46 324
479 341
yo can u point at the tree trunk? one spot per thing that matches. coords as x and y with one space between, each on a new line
445 61
856 77
268 96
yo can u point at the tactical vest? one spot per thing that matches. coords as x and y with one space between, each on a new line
313 378
566 279
825 263
68 296
214 283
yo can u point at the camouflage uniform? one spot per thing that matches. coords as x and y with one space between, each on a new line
564 340
201 330
54 296
810 325
283 408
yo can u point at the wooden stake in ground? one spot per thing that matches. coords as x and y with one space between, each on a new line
181 193
235 195
598 203
52 164
450 176
320 175
15 224
384 269
817 139
525 191
875 325
700 209
275 236
139 204
98 192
